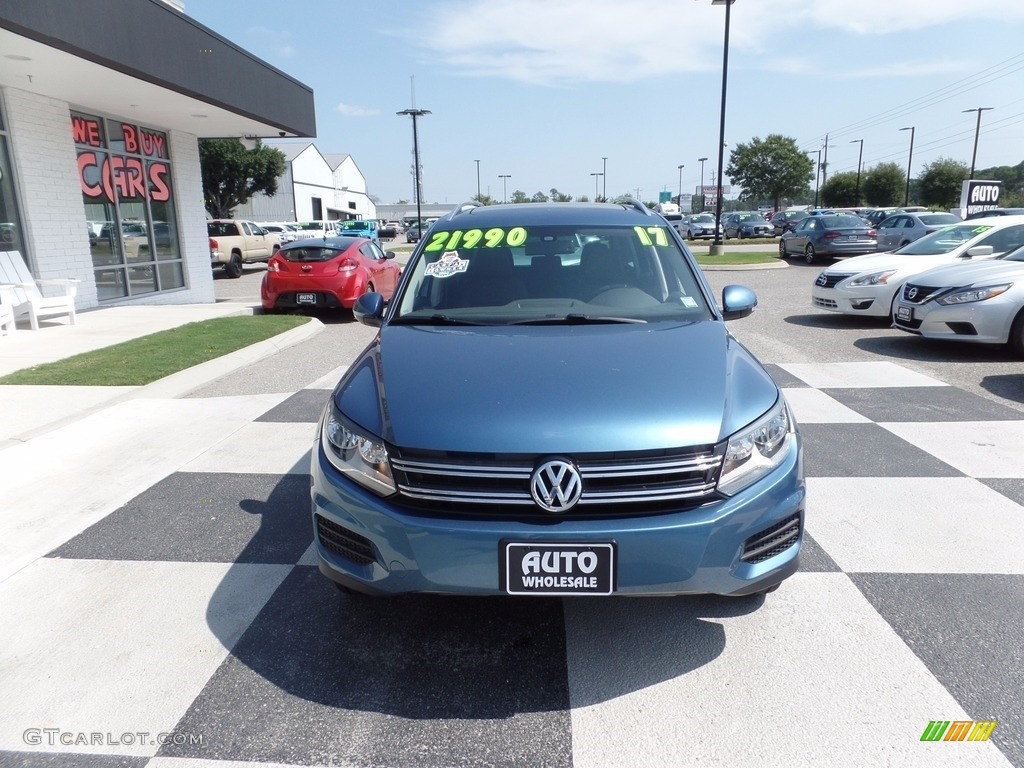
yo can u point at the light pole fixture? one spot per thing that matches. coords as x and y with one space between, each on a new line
910 159
860 157
701 161
721 132
817 174
596 174
414 113
477 179
504 188
977 130
604 179
681 185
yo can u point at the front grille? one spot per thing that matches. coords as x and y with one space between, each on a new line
344 543
921 293
826 303
909 325
613 484
772 541
827 280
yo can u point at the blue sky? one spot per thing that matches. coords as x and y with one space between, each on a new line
543 89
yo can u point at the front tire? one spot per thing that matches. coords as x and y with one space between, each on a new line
1016 340
783 253
809 255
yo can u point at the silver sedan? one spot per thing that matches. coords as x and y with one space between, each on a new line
902 228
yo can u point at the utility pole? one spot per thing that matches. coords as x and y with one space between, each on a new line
860 157
977 130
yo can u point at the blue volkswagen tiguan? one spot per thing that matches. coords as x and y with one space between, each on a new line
553 405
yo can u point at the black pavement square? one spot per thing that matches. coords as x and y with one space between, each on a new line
866 450
1011 487
321 677
966 630
67 760
814 559
304 407
928 404
783 377
205 517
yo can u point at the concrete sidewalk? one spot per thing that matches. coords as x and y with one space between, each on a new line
31 411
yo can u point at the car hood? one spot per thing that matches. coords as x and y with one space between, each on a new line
553 389
971 272
878 262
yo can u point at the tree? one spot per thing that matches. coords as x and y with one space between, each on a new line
884 185
539 197
559 197
484 199
940 182
519 197
840 191
232 174
770 169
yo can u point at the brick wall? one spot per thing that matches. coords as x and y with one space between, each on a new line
50 198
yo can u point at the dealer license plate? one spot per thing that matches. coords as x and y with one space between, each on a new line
305 298
557 568
904 313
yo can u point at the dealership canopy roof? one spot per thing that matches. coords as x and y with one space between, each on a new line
147 61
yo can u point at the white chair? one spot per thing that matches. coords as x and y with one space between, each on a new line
24 291
7 324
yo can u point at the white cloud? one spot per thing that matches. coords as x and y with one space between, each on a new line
578 41
352 110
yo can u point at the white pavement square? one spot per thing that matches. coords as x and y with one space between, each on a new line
812 406
976 448
279 448
859 375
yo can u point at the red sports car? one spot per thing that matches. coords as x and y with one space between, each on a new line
328 273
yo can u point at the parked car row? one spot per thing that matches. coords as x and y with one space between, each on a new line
964 282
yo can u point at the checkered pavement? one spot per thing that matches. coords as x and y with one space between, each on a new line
158 578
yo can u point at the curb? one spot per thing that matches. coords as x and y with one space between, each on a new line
188 380
181 383
777 264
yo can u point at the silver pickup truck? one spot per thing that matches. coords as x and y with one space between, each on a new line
239 242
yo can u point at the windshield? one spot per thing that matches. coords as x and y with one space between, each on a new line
938 218
945 240
845 221
703 218
751 217
358 225
550 274
310 225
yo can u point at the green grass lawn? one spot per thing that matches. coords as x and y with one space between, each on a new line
739 257
148 358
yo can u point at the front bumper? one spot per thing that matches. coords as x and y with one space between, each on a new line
694 551
983 322
872 300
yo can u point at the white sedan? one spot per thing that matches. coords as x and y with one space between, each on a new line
867 285
982 302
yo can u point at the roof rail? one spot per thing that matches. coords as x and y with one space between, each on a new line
631 201
467 206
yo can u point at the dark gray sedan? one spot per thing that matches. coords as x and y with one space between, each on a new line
834 234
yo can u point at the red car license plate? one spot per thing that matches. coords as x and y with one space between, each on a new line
305 298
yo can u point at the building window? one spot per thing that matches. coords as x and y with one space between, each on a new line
10 226
318 209
125 173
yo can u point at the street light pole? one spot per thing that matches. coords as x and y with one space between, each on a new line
717 248
817 174
504 188
596 175
604 179
860 157
701 161
977 130
414 113
477 179
910 159
681 186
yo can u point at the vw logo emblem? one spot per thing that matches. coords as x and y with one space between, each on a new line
556 486
912 293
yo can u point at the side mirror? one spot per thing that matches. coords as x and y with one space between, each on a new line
737 301
978 250
389 254
369 309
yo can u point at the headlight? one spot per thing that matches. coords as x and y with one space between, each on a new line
756 450
875 278
357 455
970 295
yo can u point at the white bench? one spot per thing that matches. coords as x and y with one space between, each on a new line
22 290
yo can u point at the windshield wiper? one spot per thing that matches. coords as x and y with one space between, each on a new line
431 320
577 319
